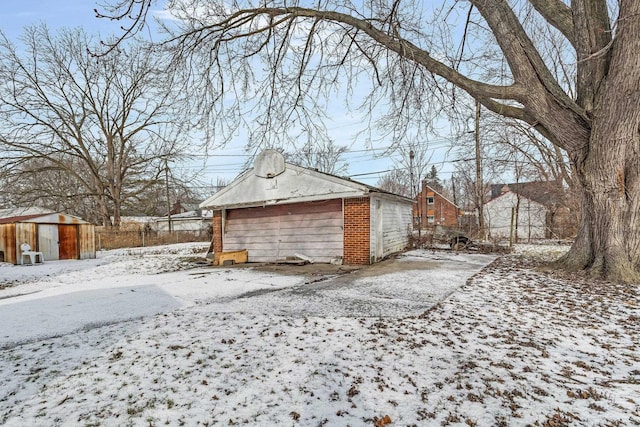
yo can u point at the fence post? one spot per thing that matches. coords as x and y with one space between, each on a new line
513 214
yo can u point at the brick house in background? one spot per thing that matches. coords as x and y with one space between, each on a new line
432 208
279 210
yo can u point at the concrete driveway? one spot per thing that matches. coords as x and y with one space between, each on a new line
404 286
88 298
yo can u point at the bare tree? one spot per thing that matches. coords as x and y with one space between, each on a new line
77 127
324 156
310 53
37 182
504 139
512 152
409 171
396 181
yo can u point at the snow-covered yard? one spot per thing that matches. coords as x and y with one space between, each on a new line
140 338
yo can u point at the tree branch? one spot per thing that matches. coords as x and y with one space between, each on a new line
592 49
393 42
546 100
557 14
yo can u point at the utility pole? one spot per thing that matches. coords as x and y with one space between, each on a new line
455 198
413 192
453 189
166 183
411 156
479 185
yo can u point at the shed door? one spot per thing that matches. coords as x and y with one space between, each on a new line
48 241
68 238
8 243
271 233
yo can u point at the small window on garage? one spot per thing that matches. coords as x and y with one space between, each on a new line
430 219
429 200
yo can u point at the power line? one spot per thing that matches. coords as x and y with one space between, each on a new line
371 173
352 157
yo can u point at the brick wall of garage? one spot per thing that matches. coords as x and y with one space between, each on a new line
357 217
217 231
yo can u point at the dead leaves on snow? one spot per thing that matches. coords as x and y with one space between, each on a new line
511 340
381 422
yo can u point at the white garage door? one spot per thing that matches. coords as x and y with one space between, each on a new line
274 233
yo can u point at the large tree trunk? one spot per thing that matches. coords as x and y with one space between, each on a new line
104 212
608 241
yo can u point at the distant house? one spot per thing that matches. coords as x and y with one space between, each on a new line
184 218
540 208
278 210
544 192
136 222
57 235
432 208
196 222
531 217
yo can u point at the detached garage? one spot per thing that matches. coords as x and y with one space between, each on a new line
58 236
278 210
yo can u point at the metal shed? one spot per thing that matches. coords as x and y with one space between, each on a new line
57 235
279 210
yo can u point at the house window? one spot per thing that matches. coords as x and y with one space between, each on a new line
430 219
429 200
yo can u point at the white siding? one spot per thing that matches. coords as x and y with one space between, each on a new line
390 226
531 217
182 224
273 233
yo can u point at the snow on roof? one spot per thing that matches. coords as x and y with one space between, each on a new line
512 196
39 215
33 211
184 215
20 218
543 192
137 219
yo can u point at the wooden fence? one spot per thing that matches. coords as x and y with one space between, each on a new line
115 239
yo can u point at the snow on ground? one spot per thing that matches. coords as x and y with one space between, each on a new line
512 345
59 297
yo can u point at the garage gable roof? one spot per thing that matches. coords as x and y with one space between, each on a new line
273 182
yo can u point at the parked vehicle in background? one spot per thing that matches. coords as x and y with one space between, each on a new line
442 237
